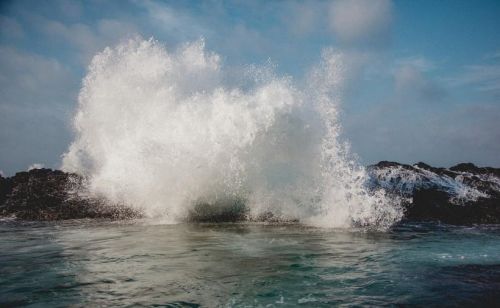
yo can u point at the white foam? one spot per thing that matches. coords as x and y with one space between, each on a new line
162 130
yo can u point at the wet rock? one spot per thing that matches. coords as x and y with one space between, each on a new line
462 194
5 188
45 194
226 210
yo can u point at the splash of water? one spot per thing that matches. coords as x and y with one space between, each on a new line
169 132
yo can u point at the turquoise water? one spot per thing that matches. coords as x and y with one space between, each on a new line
89 263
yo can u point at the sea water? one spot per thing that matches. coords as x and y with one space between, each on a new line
134 263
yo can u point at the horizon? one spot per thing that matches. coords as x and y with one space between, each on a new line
422 80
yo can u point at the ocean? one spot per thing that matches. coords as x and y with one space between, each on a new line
146 263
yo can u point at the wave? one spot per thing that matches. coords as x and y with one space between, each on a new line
175 132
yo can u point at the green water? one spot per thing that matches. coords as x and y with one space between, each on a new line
100 263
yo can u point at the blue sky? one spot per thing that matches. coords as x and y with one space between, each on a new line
423 76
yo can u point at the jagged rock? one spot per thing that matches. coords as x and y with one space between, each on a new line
462 194
45 194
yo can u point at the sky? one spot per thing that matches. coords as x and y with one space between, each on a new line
422 77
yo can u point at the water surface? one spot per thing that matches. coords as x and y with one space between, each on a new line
142 263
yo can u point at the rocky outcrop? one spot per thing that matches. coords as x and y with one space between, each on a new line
462 194
45 194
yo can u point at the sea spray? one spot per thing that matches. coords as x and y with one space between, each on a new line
173 131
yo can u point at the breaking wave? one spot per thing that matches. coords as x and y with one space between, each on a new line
177 135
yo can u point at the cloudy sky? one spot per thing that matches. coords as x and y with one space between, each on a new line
423 76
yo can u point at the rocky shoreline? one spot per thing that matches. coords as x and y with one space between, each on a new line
462 194
45 194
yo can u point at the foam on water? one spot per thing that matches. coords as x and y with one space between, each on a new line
166 131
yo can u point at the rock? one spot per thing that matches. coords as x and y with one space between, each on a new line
471 168
45 194
5 188
462 194
227 210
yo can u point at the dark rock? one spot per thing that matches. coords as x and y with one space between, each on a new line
45 194
227 210
432 204
462 194
465 167
5 188
471 168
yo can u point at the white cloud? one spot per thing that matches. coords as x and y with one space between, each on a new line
471 132
418 62
484 78
88 40
411 83
361 21
33 81
175 22
36 99
303 17
356 64
466 132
